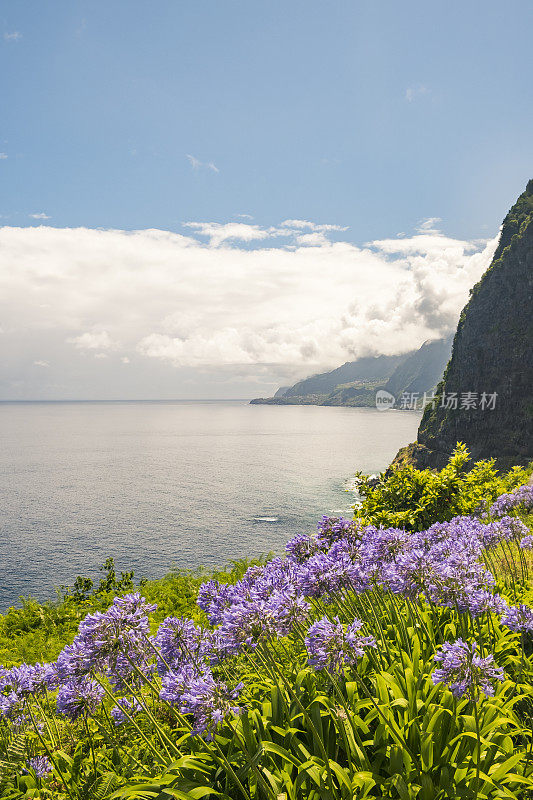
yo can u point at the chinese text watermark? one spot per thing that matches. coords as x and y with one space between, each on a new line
454 401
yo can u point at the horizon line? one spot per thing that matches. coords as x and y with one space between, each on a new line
131 400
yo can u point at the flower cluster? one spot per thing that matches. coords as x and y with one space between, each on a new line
18 683
331 529
520 497
175 681
210 702
176 641
302 547
40 765
114 642
332 646
79 698
466 673
518 619
125 708
443 563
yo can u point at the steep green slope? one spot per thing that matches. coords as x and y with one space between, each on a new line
422 371
363 369
492 355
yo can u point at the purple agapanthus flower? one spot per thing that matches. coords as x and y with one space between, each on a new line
519 619
20 682
331 529
210 702
514 527
121 629
277 575
288 609
40 765
123 705
213 598
178 640
324 575
73 661
78 698
482 601
527 542
409 573
332 646
466 673
108 641
175 681
246 624
11 704
520 497
302 547
381 546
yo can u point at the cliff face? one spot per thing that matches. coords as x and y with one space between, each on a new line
422 371
492 354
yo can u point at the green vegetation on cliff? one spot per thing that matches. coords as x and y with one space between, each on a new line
414 499
492 355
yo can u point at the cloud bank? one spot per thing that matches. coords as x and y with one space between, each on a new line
235 305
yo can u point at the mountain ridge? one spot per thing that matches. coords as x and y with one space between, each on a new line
355 383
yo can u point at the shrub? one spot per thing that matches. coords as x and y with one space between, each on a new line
410 498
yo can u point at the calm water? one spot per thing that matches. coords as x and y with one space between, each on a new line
166 484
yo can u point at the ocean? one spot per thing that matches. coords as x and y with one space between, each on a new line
162 485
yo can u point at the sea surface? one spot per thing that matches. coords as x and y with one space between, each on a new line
162 485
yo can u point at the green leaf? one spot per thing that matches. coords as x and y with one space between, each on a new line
502 769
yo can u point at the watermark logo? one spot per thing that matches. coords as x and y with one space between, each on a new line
384 400
454 401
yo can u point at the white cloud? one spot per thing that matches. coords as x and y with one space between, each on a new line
197 164
218 233
315 239
428 225
96 340
41 363
273 312
41 215
302 224
14 36
3 156
413 92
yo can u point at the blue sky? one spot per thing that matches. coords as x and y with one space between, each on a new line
368 116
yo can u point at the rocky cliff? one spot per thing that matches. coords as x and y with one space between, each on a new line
492 360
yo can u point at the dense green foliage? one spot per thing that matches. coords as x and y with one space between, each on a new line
406 497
